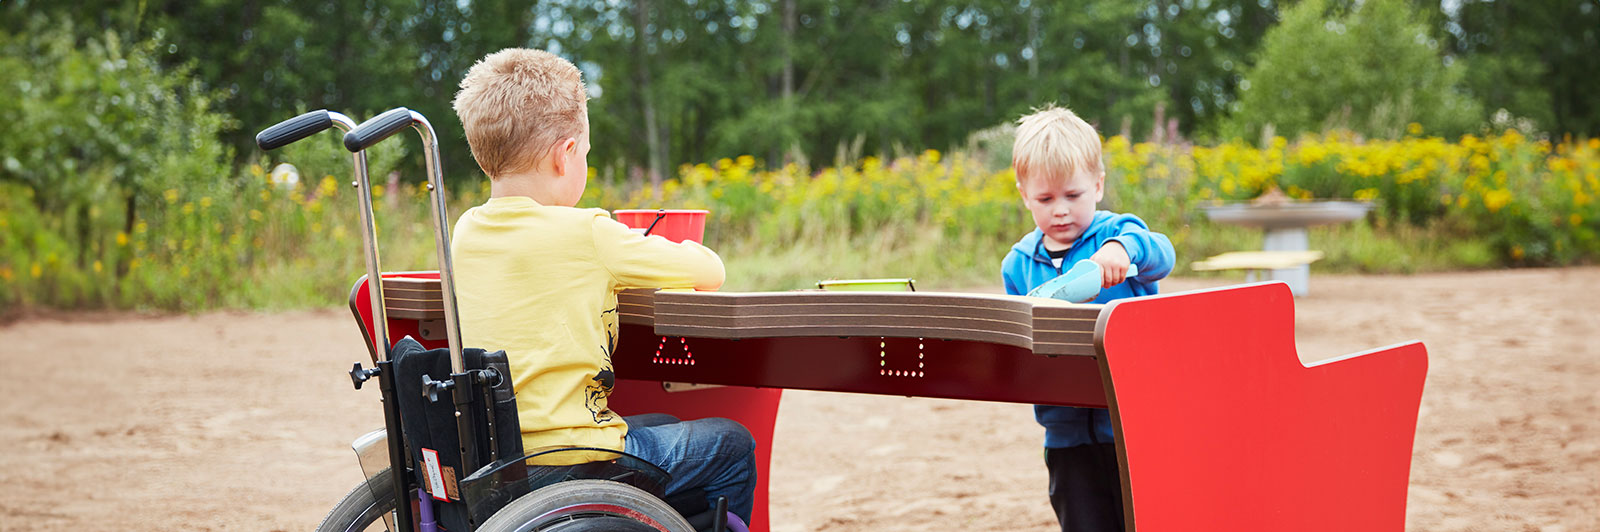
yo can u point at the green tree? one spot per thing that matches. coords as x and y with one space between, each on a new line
1372 67
1537 59
97 128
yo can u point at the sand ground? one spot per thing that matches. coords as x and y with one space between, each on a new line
238 421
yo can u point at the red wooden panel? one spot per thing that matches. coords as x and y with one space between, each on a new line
361 306
1220 427
912 367
755 408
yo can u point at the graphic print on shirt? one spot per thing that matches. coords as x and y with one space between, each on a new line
595 395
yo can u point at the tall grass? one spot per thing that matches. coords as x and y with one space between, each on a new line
943 219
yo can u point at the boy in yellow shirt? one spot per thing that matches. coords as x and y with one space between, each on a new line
539 278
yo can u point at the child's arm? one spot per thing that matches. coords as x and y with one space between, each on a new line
1007 265
637 261
1151 251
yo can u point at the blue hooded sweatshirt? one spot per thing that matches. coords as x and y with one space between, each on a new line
1028 266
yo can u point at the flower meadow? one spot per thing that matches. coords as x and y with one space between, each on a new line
946 219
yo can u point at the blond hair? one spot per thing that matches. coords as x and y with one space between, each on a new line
515 103
1056 144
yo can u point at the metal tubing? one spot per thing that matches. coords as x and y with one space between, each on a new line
441 242
441 238
369 244
399 473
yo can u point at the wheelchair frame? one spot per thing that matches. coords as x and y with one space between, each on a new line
491 481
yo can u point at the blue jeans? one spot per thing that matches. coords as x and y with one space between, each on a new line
713 454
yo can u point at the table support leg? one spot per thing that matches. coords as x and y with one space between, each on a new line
1289 239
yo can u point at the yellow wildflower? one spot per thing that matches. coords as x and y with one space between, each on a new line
1517 252
171 195
122 238
328 186
97 267
1576 219
5 273
35 271
188 208
1496 199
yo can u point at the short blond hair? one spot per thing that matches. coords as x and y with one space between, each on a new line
1056 144
515 103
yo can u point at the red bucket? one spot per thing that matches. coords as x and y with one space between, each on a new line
676 225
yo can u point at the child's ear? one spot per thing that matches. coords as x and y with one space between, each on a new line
560 152
1100 188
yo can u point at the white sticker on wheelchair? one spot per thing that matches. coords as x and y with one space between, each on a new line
430 463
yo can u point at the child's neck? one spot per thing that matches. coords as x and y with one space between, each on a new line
528 185
1052 245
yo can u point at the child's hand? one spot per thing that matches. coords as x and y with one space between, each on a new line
1113 261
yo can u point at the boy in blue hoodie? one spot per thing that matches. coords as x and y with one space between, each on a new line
1061 176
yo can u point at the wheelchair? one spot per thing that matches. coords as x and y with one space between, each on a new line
450 456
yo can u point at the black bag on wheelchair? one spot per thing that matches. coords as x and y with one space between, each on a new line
428 421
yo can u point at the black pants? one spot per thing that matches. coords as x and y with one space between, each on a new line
1085 488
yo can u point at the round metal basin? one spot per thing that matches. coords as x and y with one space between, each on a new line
1288 214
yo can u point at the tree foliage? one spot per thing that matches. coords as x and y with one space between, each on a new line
99 120
686 81
1372 67
1537 59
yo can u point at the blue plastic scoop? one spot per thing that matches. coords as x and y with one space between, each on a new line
1077 285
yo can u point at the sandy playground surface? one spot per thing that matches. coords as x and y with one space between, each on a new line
236 421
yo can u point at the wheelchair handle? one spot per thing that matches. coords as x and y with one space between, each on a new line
310 123
377 128
292 130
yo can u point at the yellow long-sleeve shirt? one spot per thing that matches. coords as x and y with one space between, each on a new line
541 283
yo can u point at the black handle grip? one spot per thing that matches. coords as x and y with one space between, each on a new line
377 128
293 129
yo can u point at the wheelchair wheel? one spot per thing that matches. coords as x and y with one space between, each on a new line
359 510
587 505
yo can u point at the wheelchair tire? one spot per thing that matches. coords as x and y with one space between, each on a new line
359 510
587 505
